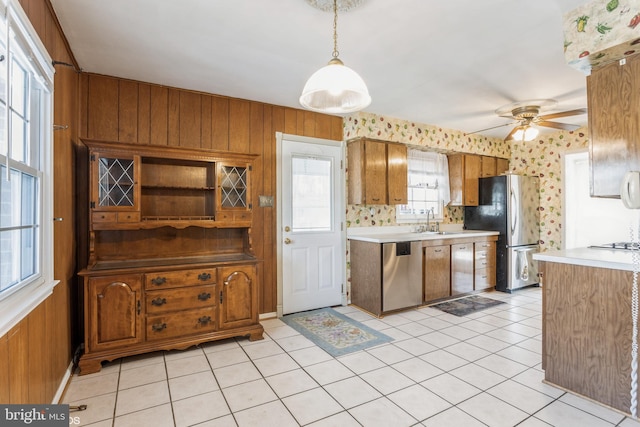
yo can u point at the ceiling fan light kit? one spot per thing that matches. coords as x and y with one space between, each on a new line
335 88
527 116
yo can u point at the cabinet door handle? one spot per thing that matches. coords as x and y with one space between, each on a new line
139 308
158 301
221 295
204 276
159 281
204 320
157 327
204 296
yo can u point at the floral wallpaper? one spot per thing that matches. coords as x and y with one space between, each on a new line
542 157
600 32
396 130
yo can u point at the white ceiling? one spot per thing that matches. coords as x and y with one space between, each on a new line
449 63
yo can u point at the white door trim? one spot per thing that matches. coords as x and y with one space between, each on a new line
341 194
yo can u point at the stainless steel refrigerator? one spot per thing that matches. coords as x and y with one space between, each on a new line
509 204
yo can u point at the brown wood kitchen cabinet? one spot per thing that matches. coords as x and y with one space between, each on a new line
613 98
169 260
462 268
502 166
377 172
437 272
464 171
488 166
484 265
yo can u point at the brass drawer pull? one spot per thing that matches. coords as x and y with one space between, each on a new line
158 281
204 320
204 296
159 301
204 276
438 251
157 327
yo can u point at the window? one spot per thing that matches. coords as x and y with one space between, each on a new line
427 186
26 86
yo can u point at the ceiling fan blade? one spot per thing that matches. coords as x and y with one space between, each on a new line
494 127
564 114
563 126
513 132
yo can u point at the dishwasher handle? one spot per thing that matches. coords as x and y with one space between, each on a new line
403 248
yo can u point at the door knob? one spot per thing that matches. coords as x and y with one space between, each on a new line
287 241
287 228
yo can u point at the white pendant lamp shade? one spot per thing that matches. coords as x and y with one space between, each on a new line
335 89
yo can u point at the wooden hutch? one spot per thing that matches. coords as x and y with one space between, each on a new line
169 258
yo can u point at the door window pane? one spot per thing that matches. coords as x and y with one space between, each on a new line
311 198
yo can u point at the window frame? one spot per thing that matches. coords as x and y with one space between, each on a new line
442 192
17 301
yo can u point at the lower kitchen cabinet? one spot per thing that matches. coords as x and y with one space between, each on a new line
485 266
129 313
462 268
437 272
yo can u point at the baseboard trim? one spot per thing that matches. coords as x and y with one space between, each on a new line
63 384
265 316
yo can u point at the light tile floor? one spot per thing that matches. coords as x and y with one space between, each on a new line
440 370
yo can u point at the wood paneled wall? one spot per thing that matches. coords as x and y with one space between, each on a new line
36 353
119 110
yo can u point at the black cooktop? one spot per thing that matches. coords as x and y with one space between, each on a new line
619 245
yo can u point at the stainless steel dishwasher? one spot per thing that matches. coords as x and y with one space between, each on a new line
401 275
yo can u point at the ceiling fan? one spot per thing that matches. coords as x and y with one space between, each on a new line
527 116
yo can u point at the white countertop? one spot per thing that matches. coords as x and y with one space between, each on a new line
590 257
404 234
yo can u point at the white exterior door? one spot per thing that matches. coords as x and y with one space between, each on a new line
311 236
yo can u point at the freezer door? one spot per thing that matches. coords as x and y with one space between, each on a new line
523 200
522 268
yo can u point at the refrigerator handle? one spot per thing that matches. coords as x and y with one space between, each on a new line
513 211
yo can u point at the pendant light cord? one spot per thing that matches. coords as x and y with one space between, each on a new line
335 28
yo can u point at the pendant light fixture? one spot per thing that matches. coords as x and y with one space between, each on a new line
335 88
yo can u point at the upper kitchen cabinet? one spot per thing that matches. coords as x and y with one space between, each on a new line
502 166
488 166
464 171
613 93
377 172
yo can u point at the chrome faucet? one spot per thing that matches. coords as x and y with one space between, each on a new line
430 213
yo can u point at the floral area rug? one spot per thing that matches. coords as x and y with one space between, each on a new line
467 305
334 332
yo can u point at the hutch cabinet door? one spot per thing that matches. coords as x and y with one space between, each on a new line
114 317
234 193
238 297
115 193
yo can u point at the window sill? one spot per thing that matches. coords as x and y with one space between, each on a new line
16 307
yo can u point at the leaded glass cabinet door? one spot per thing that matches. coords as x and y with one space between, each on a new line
115 182
234 193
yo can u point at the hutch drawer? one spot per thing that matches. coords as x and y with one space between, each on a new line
180 278
182 323
162 301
